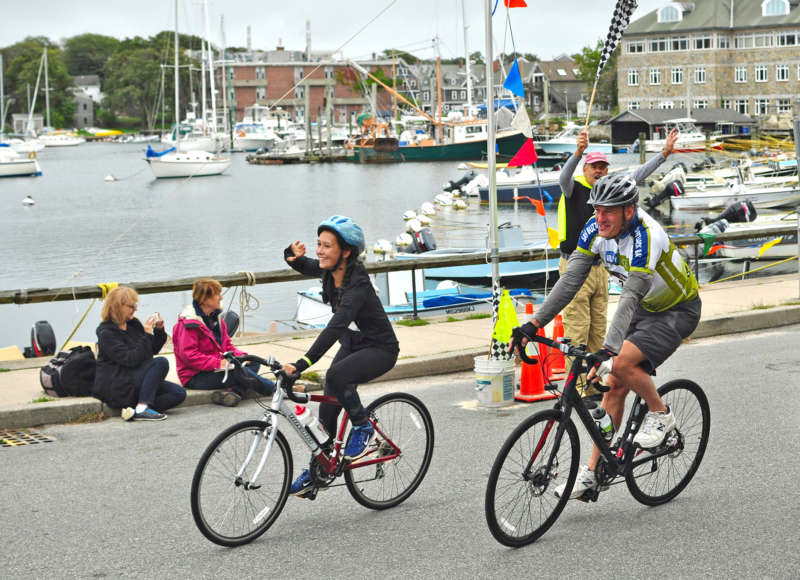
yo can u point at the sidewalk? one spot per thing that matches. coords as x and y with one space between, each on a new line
437 348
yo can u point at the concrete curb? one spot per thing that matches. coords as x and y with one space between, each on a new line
67 410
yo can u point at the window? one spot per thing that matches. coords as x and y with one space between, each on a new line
726 103
741 106
700 104
762 75
787 38
677 75
784 106
658 45
298 73
300 92
774 8
762 106
452 82
655 76
635 46
651 105
743 41
762 40
670 13
723 41
260 73
328 72
634 106
426 95
699 75
740 74
702 42
454 95
782 72
680 43
666 105
463 94
561 72
633 78
261 93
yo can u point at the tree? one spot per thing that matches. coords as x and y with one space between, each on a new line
476 57
406 56
587 61
23 69
87 54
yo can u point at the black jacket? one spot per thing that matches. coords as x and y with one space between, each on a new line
358 304
119 354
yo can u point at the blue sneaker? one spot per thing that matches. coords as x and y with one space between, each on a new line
149 415
360 438
302 484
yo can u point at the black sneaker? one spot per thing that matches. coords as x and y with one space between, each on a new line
227 398
149 415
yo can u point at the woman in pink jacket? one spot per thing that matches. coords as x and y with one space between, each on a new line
199 338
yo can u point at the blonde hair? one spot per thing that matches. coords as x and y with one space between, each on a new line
114 305
205 288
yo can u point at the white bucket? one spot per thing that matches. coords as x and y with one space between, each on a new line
494 382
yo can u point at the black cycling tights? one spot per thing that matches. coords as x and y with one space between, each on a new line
348 370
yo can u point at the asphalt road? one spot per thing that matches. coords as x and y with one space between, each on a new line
111 499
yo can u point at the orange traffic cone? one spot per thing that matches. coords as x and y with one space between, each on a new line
532 376
558 366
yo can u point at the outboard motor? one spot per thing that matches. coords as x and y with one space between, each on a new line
423 241
671 189
452 185
43 340
738 212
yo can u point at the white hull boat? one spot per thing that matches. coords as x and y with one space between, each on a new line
188 164
762 198
752 248
24 146
192 143
566 142
61 140
13 165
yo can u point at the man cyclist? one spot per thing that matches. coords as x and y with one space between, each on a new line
658 308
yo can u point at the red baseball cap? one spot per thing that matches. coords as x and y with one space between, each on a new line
596 157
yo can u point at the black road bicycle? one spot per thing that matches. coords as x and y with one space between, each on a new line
544 451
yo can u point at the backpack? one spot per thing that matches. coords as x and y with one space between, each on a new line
69 374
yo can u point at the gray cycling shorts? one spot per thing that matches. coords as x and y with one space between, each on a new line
659 334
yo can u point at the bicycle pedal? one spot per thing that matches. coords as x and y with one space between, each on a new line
589 495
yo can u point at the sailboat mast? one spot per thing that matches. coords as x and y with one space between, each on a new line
466 59
210 74
439 93
46 87
2 100
177 119
490 145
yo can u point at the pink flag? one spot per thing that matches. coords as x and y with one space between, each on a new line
525 156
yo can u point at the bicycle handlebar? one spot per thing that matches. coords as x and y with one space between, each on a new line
288 379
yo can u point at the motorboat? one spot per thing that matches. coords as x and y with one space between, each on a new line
12 164
566 142
173 163
59 139
524 182
257 130
761 197
690 138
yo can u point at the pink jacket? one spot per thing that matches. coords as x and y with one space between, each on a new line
196 347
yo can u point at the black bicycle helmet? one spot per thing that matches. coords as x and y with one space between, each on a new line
614 190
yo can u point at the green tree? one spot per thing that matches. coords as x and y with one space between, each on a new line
587 61
23 69
476 57
406 56
87 54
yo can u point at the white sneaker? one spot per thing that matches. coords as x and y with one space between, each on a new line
585 480
654 428
127 413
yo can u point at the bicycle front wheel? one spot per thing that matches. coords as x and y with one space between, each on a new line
406 422
657 481
520 501
228 506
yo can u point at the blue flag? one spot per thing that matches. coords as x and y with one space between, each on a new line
513 81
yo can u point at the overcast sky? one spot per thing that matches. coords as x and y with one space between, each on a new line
546 28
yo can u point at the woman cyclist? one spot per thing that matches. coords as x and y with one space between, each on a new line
364 354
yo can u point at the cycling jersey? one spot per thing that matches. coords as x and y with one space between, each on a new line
644 247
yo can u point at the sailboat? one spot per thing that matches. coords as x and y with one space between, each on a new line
175 162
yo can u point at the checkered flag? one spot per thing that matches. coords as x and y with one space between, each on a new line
505 319
619 22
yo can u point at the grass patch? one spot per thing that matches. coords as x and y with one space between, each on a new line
413 322
479 316
792 303
763 306
43 400
451 319
5 370
310 376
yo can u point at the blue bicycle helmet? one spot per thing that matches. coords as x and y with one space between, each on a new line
348 230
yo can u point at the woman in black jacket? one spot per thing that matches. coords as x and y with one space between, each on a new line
364 354
127 376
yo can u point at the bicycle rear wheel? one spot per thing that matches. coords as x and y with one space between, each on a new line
405 421
520 503
229 508
661 479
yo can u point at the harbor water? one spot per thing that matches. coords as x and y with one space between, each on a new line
85 230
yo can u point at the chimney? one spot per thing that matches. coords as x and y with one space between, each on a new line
308 40
249 39
280 45
373 56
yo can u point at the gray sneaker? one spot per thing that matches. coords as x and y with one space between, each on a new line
586 480
654 429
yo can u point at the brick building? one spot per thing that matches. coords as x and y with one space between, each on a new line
733 54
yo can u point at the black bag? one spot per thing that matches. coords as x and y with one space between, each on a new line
70 374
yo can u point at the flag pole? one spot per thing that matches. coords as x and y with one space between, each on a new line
591 102
490 150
